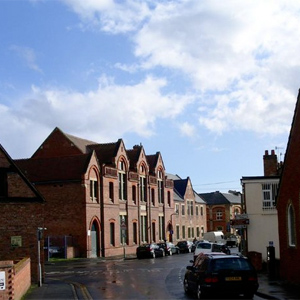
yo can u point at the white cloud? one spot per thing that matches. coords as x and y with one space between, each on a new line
187 129
28 56
102 115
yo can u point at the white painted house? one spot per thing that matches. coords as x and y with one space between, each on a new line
259 196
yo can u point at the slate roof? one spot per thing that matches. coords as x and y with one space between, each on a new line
133 156
54 169
180 188
79 142
215 198
15 168
105 152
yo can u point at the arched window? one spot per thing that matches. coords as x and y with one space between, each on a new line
134 194
160 186
291 225
122 181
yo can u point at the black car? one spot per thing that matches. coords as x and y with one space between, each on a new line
149 250
221 276
185 246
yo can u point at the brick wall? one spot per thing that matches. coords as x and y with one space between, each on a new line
17 279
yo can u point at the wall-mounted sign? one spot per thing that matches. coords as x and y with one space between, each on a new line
2 281
16 241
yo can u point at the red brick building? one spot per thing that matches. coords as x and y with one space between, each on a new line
22 213
288 205
221 208
102 195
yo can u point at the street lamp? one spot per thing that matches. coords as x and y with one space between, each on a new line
40 231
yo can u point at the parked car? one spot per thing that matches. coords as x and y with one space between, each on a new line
169 248
232 241
149 250
207 247
185 246
220 275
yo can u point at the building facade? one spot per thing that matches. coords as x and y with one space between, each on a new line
220 209
288 205
106 198
189 216
22 215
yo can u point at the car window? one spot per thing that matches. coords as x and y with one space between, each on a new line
203 246
231 264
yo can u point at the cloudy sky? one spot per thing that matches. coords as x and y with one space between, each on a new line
210 84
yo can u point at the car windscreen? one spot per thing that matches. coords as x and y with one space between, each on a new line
231 264
204 246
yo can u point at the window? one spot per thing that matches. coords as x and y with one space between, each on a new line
291 226
169 198
122 181
269 191
189 232
112 233
202 231
182 210
197 231
197 210
219 215
134 232
144 235
123 232
177 232
190 208
161 234
183 232
111 191
153 196
143 189
201 210
160 187
3 182
134 194
153 232
93 190
177 209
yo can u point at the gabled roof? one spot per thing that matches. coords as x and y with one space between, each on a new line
152 160
79 142
55 169
106 152
216 198
180 186
13 167
134 155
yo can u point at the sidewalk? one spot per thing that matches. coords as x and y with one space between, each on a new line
276 288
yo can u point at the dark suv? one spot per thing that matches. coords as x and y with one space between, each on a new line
221 275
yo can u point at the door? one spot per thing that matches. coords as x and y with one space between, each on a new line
94 240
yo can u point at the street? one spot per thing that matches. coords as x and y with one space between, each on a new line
159 278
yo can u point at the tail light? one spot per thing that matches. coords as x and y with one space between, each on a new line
252 278
211 279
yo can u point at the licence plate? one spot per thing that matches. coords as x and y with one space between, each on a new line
237 278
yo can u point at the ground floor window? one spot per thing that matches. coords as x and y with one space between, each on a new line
134 232
177 232
112 233
144 235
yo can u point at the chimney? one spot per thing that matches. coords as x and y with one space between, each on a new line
270 163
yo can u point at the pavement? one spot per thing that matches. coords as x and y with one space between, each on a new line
269 288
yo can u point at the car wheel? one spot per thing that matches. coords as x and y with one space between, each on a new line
186 286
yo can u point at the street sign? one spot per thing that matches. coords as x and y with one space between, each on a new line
2 281
238 222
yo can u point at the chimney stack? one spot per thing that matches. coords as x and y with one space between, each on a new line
270 163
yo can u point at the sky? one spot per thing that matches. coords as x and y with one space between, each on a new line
209 84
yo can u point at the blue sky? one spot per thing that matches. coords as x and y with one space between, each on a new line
210 84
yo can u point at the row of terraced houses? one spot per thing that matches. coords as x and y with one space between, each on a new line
95 199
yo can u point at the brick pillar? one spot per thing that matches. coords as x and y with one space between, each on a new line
7 266
270 163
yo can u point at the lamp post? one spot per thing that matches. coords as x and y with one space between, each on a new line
40 231
172 232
